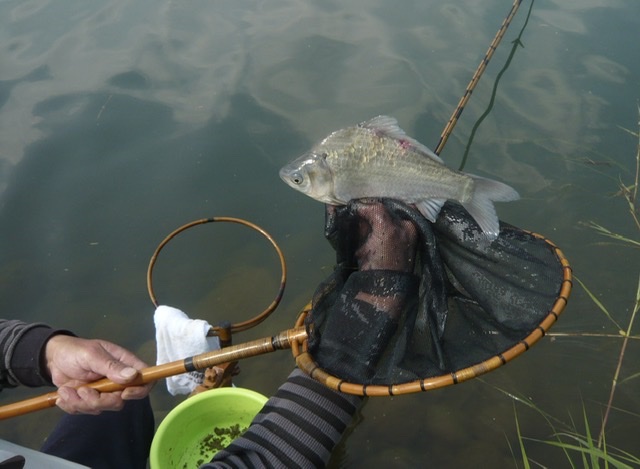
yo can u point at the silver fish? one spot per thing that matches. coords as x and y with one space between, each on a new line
377 159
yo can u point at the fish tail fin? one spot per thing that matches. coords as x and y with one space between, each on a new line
481 208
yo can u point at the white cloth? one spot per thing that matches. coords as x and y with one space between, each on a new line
178 337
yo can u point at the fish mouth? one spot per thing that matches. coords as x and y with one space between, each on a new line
285 175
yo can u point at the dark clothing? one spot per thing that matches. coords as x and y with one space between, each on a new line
22 351
299 426
107 441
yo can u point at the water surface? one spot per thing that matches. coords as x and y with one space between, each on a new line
121 120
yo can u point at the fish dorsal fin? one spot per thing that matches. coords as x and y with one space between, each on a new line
389 126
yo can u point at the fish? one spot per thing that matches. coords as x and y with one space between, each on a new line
376 158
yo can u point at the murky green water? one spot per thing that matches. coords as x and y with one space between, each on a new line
122 120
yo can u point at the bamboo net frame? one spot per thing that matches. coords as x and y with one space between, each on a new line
305 361
244 325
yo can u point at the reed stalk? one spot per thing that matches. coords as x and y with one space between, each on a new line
592 451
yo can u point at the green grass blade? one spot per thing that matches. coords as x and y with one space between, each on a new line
610 234
592 453
523 451
629 378
598 303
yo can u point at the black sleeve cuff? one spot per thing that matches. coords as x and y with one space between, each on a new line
28 363
382 283
354 333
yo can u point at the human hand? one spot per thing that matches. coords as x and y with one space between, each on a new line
73 361
357 310
388 242
375 235
366 233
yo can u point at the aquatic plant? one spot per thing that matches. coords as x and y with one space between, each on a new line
580 445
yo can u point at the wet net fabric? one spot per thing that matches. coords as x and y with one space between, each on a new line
466 299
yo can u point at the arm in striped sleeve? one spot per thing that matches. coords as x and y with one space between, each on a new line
303 422
298 427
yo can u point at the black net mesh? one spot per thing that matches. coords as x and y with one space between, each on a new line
455 300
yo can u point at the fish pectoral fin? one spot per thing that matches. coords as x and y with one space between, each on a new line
483 212
430 208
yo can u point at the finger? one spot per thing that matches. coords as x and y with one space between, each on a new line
135 392
116 363
68 400
94 401
123 355
116 371
85 400
330 210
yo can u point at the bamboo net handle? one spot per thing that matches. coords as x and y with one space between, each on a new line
281 341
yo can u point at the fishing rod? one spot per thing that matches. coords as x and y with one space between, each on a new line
453 120
517 42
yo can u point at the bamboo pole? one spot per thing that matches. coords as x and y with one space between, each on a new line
453 120
281 341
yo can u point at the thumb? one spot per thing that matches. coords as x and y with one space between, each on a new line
126 373
114 369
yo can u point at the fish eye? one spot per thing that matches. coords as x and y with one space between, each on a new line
297 178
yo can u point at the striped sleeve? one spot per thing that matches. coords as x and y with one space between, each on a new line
298 427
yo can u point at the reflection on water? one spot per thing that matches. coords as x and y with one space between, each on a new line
122 120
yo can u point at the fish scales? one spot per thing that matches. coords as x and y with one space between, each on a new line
379 164
377 159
